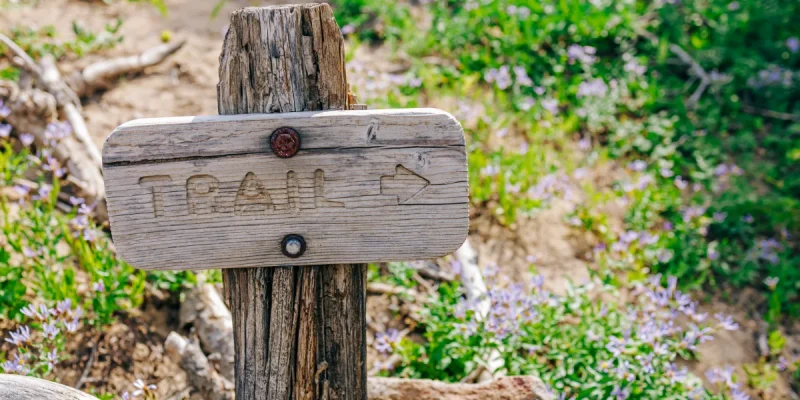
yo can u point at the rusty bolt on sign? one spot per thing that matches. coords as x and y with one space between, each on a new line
284 142
293 246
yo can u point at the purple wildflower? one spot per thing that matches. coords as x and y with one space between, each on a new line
522 76
680 183
550 105
771 282
666 172
20 337
527 103
26 139
620 393
4 110
637 165
737 394
52 358
733 6
748 219
99 287
50 330
726 322
5 130
793 44
348 29
592 88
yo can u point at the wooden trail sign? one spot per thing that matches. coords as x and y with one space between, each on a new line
210 192
292 195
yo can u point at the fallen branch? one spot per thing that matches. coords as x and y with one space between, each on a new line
385 288
770 113
201 373
101 74
205 310
70 107
505 388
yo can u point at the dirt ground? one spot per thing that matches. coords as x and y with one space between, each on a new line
186 85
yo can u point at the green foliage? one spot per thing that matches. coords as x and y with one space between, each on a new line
45 40
43 249
621 76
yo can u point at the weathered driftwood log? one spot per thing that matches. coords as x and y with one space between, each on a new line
300 332
201 373
505 388
205 310
15 387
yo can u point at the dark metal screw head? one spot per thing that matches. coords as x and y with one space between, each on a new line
284 142
293 246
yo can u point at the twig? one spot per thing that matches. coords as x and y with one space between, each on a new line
694 67
88 367
770 113
696 70
27 61
385 288
429 271
475 374
99 74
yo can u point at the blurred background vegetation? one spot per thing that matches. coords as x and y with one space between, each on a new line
672 127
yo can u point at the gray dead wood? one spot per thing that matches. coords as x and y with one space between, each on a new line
477 293
505 388
201 373
211 319
15 387
31 111
101 75
299 332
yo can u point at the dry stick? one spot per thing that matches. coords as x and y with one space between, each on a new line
290 320
477 293
770 113
88 367
52 78
100 74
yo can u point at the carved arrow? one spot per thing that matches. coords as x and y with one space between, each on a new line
405 184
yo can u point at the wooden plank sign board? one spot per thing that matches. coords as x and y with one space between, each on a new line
209 192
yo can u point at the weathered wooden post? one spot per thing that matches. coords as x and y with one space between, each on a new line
292 205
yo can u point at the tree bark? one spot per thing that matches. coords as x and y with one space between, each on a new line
299 332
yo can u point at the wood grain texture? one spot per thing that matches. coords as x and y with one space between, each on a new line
15 387
299 332
366 186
